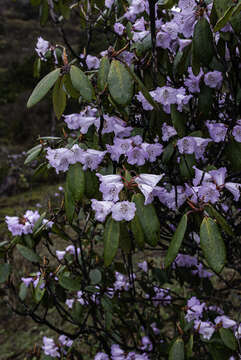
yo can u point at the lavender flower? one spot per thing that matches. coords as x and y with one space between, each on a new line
123 210
192 82
225 321
92 62
213 79
208 192
42 47
50 348
217 131
92 159
65 341
187 145
101 356
102 209
236 132
136 156
167 132
110 187
119 28
205 328
152 150
144 266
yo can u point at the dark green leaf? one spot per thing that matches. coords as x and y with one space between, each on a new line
81 83
69 283
220 219
33 155
95 276
125 240
43 87
28 254
212 245
69 87
178 120
69 204
120 83
233 154
224 19
5 270
23 290
148 219
111 240
75 181
177 350
228 338
203 48
138 233
59 98
176 241
167 153
103 73
91 184
186 164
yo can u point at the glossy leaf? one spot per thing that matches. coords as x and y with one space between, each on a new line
5 270
125 239
212 245
138 233
70 283
28 254
59 98
75 181
178 121
23 290
220 219
203 48
120 83
103 73
148 219
176 241
177 350
81 83
33 154
228 338
69 203
111 240
43 87
69 87
95 276
224 19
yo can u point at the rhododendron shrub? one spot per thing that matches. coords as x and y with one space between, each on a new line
150 266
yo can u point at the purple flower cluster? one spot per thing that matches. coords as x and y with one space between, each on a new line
24 225
135 150
62 158
118 354
51 349
208 185
195 312
166 95
183 260
193 145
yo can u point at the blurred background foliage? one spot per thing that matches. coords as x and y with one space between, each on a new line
19 129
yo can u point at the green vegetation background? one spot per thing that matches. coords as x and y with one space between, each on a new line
19 128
